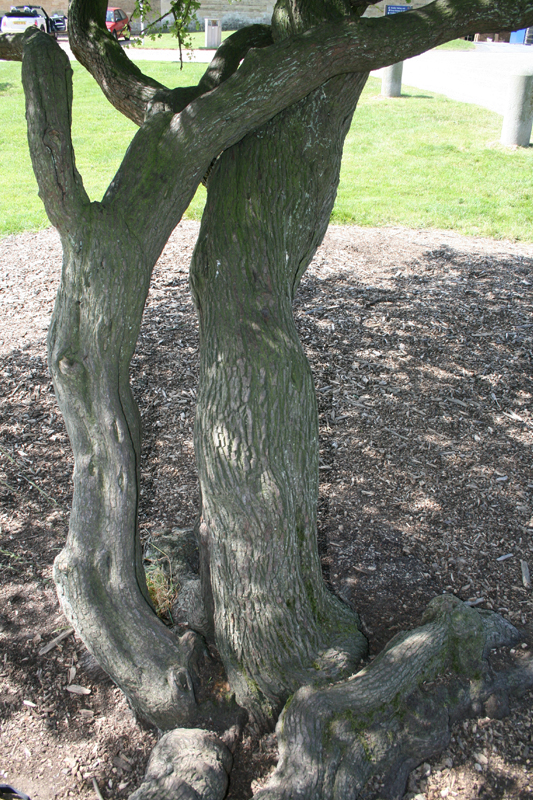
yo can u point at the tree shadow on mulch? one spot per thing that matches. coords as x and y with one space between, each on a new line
422 363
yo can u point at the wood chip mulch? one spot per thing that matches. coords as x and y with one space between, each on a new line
421 343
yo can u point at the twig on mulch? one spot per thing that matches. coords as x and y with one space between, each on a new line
56 641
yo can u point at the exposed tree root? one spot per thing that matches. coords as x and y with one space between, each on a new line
362 737
186 765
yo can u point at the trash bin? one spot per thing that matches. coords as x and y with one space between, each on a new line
213 33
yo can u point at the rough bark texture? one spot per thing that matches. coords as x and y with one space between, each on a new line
90 346
186 765
362 737
97 317
256 438
95 326
91 341
269 200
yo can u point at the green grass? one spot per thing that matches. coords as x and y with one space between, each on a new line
457 44
421 161
424 161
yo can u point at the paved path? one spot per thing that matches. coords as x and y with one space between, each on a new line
142 53
478 76
474 76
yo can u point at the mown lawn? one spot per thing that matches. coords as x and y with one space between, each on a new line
428 162
419 161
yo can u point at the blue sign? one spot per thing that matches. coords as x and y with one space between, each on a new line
396 9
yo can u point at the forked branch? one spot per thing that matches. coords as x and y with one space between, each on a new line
122 82
47 79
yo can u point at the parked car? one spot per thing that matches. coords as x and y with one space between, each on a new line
117 23
60 21
22 17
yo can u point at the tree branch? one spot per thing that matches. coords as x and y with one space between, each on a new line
126 87
224 64
170 154
393 38
175 151
47 80
231 52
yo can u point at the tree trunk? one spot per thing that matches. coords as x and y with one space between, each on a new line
105 279
91 340
256 437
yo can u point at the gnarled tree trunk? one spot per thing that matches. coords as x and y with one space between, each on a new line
90 346
269 203
269 200
96 319
105 279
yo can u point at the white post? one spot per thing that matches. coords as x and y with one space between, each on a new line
518 117
391 80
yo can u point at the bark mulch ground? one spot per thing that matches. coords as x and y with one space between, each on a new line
421 344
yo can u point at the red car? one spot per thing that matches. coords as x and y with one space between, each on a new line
117 23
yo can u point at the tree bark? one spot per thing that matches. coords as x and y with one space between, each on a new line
362 737
90 346
104 283
105 279
256 437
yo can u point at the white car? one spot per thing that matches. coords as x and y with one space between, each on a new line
22 17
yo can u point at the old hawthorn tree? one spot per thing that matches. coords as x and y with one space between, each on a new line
276 126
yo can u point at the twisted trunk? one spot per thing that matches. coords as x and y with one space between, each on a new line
269 201
90 346
105 280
